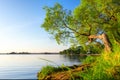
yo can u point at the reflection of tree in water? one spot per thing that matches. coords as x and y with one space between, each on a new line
74 57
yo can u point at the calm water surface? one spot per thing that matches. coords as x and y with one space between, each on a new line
27 66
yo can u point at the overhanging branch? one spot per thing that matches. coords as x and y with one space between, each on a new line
84 34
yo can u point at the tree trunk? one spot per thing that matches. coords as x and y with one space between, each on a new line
104 39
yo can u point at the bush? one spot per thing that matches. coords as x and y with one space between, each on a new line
105 67
89 60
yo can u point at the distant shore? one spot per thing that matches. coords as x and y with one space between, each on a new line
46 53
25 53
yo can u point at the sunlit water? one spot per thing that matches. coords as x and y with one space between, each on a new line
27 66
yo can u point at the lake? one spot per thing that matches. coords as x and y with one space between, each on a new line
27 66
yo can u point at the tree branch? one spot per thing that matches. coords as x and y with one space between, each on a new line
84 34
89 33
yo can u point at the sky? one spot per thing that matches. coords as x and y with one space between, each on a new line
20 22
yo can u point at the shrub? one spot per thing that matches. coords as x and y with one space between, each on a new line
105 67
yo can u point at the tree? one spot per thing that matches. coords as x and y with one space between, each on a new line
94 48
92 20
73 50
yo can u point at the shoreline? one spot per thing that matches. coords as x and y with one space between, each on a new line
47 54
26 53
65 74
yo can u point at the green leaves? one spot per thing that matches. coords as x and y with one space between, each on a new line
89 18
58 22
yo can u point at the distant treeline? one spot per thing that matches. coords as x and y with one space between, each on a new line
73 50
19 53
90 49
30 53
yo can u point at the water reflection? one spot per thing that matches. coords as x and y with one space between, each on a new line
27 66
74 57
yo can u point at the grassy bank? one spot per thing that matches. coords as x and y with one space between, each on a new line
104 67
49 69
61 73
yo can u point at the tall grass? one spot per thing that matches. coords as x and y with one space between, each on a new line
105 67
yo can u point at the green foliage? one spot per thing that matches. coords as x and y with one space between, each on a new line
55 22
105 67
74 50
91 17
89 60
94 48
49 69
99 15
46 70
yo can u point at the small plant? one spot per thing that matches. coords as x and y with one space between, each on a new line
49 69
46 70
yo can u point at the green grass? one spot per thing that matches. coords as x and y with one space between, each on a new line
49 69
105 67
46 70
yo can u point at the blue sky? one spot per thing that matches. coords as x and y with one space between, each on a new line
20 22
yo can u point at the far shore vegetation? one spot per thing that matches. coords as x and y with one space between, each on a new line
93 27
28 53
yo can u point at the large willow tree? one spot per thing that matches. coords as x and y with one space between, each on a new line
91 21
